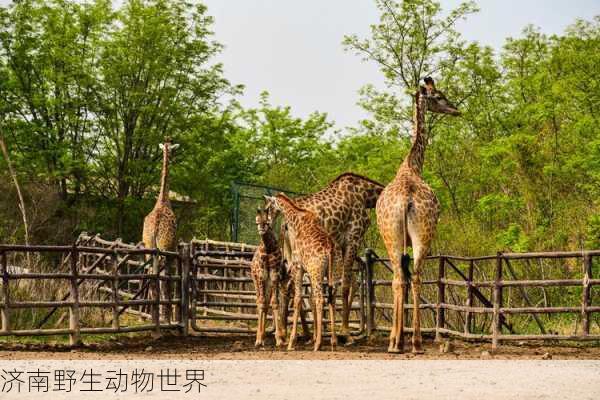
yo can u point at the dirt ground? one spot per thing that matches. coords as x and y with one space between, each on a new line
242 348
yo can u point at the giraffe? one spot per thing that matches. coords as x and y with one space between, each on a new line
342 208
317 254
407 215
160 225
266 271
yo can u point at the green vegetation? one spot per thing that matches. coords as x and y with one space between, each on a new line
88 91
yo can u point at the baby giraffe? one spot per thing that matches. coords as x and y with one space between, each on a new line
266 271
315 253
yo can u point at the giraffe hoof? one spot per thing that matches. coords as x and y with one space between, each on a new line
394 349
418 351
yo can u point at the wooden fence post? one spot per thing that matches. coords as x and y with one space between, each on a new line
74 316
370 292
186 260
497 299
115 292
440 321
5 293
469 314
586 301
155 277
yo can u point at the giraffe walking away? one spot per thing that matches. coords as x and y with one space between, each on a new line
317 254
342 209
407 215
160 225
266 271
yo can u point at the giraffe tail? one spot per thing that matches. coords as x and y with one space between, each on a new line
405 259
330 283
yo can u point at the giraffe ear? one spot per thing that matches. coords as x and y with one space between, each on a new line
161 146
174 146
422 90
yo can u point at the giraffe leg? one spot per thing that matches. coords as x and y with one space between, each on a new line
259 307
349 286
305 328
283 311
279 339
397 335
417 346
297 299
346 294
331 305
318 318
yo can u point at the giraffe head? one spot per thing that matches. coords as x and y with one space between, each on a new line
264 220
436 100
168 146
272 206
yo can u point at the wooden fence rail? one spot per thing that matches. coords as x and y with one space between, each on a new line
496 307
205 286
77 276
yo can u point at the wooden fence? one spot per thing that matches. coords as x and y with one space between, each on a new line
205 286
483 312
223 291
109 270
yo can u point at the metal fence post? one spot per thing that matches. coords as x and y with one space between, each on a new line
370 297
497 298
74 316
440 317
185 256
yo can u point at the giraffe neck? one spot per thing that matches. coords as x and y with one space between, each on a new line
370 192
416 156
163 196
290 212
270 242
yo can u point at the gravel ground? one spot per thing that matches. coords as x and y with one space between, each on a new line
242 348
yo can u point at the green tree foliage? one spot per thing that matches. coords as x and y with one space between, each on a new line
87 91
518 169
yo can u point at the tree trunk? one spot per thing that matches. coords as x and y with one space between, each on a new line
19 193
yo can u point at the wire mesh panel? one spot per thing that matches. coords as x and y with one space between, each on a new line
246 199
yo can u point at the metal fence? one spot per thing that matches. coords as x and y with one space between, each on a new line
247 197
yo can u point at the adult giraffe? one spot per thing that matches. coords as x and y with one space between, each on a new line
342 208
160 225
407 214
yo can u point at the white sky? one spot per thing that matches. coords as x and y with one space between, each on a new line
292 48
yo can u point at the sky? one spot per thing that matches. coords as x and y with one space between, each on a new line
293 50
